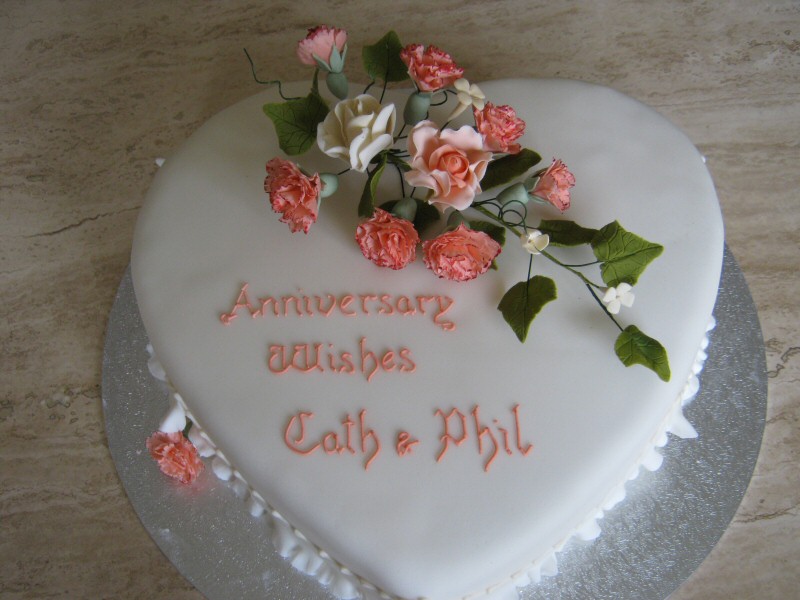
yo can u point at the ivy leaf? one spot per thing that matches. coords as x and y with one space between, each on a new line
508 167
366 208
567 233
624 255
382 59
635 348
427 214
523 301
296 122
496 232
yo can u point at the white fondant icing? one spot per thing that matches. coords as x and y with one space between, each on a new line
254 506
221 468
412 526
175 419
204 448
155 368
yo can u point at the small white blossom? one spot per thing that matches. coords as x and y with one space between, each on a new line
617 297
468 95
534 241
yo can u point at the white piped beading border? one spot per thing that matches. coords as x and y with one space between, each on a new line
307 558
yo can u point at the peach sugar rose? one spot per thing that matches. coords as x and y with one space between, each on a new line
461 254
388 241
500 128
431 69
449 162
320 41
176 456
293 194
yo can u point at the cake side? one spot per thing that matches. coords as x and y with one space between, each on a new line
206 230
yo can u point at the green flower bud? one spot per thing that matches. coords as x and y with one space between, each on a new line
337 84
455 219
416 108
531 182
336 62
330 183
530 185
514 193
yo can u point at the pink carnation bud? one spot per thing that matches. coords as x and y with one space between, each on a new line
388 241
293 194
554 185
430 68
461 254
499 127
176 456
320 41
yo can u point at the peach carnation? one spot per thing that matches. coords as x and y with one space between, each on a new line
176 456
499 127
388 241
449 162
320 41
554 185
431 69
461 254
293 194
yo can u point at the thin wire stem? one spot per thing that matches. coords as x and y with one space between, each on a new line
603 306
257 80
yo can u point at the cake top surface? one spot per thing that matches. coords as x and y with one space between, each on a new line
393 416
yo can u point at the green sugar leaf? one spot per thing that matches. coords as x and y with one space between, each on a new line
506 168
635 348
366 208
296 122
382 59
567 233
427 215
523 301
624 255
496 232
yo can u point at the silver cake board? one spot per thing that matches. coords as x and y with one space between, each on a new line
651 543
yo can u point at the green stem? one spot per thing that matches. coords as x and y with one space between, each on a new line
583 277
315 82
603 306
547 255
495 218
263 82
402 182
589 264
399 135
443 100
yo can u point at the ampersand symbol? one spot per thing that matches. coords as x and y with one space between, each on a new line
405 443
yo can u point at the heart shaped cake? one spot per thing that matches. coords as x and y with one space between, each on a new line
403 440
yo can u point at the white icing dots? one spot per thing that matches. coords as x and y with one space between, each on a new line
221 468
175 419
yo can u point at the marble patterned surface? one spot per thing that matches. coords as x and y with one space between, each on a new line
92 92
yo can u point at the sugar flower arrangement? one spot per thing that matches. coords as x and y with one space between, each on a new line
447 170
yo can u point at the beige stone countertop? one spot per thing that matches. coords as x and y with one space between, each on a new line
92 92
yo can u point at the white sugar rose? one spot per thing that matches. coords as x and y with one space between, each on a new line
356 130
